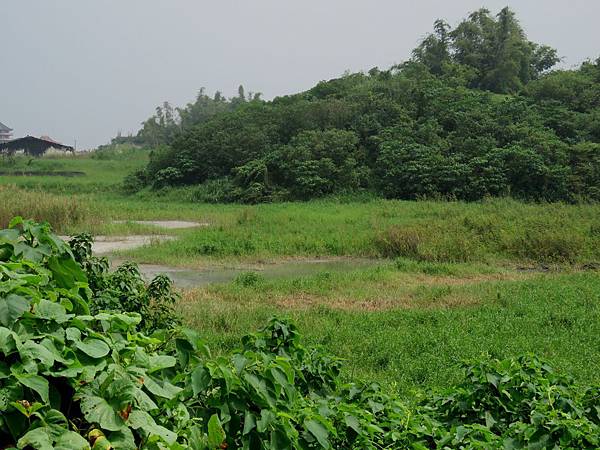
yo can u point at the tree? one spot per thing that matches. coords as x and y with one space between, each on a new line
434 51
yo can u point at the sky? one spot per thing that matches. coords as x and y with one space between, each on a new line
84 70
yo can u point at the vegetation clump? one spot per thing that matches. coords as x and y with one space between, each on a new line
75 379
63 211
475 113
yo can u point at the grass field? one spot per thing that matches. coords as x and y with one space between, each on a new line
453 280
409 331
89 173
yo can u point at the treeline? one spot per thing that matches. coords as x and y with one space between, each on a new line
168 122
474 113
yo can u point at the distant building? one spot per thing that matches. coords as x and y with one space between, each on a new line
5 133
32 146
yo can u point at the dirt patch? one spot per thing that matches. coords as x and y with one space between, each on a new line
405 301
167 224
104 245
417 291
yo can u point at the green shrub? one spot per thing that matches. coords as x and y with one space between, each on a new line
401 242
428 243
249 279
214 191
547 245
124 290
450 246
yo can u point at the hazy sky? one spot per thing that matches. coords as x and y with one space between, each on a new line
86 69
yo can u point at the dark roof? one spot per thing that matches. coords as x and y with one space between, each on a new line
33 145
4 128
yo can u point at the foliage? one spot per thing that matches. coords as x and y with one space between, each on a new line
168 122
124 290
475 113
494 49
74 380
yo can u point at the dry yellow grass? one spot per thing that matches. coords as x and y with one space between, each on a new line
63 212
403 291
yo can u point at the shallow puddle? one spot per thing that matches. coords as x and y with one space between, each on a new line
188 278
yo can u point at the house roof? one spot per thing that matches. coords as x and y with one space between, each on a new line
4 128
33 144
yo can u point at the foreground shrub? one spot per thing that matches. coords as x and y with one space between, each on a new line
70 379
124 290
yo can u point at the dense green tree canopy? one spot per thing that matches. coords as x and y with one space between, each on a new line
475 113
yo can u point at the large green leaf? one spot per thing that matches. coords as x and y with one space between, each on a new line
200 379
97 410
122 439
8 341
52 311
38 438
216 434
66 271
162 389
11 308
160 362
144 421
35 382
70 440
95 348
318 431
33 350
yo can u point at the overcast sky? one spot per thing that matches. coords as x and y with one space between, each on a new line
86 69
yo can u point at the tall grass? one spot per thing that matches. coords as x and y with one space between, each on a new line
498 229
62 212
494 231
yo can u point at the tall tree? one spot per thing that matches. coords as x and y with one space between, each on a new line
434 50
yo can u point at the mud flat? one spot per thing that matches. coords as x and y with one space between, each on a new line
105 245
191 278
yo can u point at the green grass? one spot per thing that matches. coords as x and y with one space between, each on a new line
99 175
495 231
420 342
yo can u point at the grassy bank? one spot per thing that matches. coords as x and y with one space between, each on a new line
499 231
494 231
410 330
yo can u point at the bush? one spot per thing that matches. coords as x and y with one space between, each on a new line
124 290
249 279
546 245
428 243
220 190
401 242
